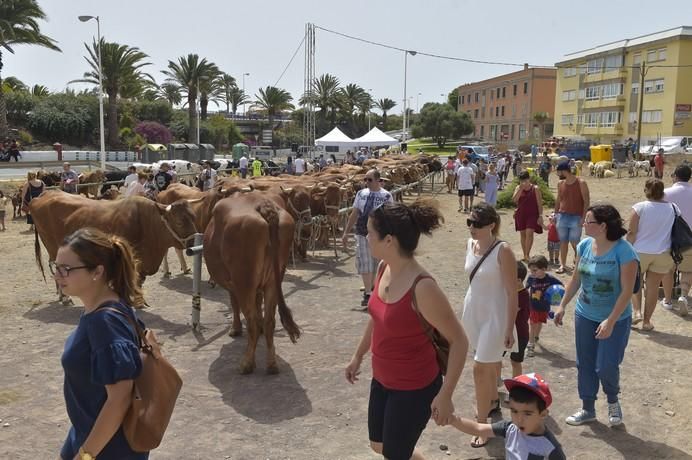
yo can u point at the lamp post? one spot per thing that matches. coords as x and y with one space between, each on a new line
369 89
199 104
101 127
244 75
406 53
418 102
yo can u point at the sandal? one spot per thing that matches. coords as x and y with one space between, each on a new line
560 270
494 407
476 442
636 319
648 327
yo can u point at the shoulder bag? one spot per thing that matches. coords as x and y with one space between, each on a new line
154 393
480 262
439 343
680 237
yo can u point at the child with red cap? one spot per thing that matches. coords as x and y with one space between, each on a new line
526 436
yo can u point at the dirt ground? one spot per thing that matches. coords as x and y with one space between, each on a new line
308 411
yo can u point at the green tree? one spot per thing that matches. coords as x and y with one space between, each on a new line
385 105
453 98
39 91
66 118
19 26
324 94
273 101
441 122
122 77
171 93
13 84
236 97
222 131
228 84
19 105
352 98
187 73
159 111
210 89
541 118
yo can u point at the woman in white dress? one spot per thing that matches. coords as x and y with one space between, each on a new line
490 306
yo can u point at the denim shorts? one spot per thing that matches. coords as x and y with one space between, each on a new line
569 227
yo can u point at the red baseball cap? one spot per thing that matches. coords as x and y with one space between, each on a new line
533 382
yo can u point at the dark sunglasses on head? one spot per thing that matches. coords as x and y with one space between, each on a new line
475 223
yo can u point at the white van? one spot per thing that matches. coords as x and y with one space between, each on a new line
670 145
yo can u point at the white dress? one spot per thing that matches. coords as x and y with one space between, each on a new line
485 307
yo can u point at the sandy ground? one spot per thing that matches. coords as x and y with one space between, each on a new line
308 410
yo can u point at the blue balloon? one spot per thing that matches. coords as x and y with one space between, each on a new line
554 294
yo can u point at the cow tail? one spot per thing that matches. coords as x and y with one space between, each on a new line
37 251
270 214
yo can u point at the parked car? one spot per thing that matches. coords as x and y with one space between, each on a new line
477 152
670 145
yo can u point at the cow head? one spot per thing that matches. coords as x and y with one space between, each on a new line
179 221
297 199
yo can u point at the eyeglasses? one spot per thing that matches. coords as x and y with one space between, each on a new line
475 223
368 179
63 270
591 222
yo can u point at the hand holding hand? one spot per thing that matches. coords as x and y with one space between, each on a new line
442 409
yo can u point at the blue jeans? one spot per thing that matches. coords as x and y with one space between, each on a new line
568 227
599 360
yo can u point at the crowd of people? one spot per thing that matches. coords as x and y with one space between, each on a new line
9 150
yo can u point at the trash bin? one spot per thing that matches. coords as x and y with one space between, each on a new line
192 153
601 152
619 153
240 149
206 152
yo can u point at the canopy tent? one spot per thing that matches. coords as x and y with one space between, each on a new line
374 137
335 138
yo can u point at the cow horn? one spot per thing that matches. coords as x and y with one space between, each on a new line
343 188
169 207
286 190
196 200
246 189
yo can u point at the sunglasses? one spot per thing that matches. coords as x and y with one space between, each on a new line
370 179
63 271
475 223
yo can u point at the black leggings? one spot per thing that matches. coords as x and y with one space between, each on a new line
397 418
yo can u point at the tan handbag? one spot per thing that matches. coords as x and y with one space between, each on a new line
154 393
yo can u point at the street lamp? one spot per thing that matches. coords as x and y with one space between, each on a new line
244 75
369 89
417 102
101 127
406 53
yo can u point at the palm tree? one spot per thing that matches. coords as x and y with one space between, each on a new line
352 97
273 100
19 26
210 89
325 95
39 91
122 76
187 73
236 97
13 84
385 105
170 92
227 83
541 118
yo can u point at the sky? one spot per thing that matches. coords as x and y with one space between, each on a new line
259 38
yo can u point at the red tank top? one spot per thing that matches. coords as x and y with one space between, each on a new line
403 357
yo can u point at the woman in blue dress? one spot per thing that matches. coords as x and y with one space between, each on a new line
491 186
101 357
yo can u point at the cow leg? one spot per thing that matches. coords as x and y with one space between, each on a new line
166 268
237 327
62 298
270 302
247 365
183 262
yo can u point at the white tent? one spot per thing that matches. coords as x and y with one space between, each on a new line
375 137
335 138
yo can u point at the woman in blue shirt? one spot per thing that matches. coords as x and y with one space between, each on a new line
101 357
606 273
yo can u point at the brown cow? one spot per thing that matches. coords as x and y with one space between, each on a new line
151 228
91 177
246 249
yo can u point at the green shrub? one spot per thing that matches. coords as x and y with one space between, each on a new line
25 138
504 198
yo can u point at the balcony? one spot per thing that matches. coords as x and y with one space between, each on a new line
604 103
616 129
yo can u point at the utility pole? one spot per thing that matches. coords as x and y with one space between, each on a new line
642 74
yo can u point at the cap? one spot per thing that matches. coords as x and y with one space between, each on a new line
564 166
533 382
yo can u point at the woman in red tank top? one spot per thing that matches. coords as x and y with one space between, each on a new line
407 385
528 218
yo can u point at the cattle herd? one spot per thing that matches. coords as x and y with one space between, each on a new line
251 227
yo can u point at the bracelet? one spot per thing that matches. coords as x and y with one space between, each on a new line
84 455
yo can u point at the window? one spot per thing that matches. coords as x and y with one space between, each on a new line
652 116
503 111
482 130
482 112
511 136
498 93
514 93
462 100
582 93
591 119
651 55
613 62
612 90
653 86
475 113
483 99
492 95
569 72
504 94
635 88
331 148
567 119
610 119
637 59
592 92
522 132
526 87
476 97
569 95
582 69
497 111
493 130
662 54
594 66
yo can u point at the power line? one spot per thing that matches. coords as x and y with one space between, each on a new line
291 61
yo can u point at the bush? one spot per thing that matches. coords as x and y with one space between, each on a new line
25 138
66 118
153 132
504 198
159 111
19 105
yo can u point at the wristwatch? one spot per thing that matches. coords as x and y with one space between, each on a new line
84 455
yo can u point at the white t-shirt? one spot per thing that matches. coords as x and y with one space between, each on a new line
655 223
299 165
134 189
500 164
465 178
243 162
379 198
130 179
680 193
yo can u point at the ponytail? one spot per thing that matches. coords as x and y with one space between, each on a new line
124 278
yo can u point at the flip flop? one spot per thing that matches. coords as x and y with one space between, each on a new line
475 442
636 319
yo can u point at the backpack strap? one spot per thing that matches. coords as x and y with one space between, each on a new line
140 333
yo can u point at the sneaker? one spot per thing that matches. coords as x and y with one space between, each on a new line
682 305
366 299
580 417
530 352
666 305
614 413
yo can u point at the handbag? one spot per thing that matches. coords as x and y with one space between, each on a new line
478 265
154 393
439 343
680 237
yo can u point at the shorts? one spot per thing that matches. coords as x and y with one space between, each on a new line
686 264
365 262
569 227
536 317
656 263
2 213
518 357
397 418
466 192
553 246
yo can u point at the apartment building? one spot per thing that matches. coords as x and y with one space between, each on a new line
503 108
598 89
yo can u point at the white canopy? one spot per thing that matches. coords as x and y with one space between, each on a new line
375 137
335 138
